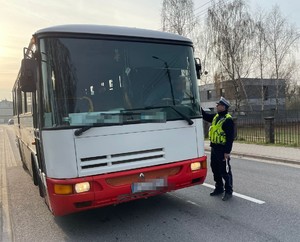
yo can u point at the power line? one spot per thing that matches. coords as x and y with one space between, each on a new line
203 12
202 5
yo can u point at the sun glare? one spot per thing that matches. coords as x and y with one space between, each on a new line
2 48
2 51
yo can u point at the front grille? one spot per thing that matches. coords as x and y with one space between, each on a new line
148 175
121 158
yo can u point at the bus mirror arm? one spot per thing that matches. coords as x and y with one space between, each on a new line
198 67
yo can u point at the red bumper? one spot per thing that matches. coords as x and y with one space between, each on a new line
114 188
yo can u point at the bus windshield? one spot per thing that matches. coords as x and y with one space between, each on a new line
86 82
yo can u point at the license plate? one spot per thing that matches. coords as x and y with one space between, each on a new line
151 185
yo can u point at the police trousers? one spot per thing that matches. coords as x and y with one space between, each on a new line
221 170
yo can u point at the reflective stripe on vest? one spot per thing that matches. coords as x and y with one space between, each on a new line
216 133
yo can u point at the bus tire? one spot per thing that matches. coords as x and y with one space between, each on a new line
22 158
34 173
41 187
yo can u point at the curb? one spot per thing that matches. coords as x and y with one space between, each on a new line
268 158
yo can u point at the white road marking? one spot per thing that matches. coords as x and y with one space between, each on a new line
183 199
251 199
191 202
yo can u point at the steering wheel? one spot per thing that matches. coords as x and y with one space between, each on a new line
90 102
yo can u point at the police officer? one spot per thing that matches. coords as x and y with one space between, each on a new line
221 136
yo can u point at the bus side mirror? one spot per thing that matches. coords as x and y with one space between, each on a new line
198 67
28 75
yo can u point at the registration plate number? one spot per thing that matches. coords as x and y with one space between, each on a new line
151 185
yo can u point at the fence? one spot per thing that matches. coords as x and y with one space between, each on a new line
278 128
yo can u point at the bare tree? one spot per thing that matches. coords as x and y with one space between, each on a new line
293 97
261 53
202 48
281 38
177 16
291 87
231 29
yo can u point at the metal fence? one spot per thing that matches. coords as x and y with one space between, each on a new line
250 130
285 127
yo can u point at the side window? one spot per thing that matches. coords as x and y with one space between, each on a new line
19 101
209 94
16 102
29 102
23 102
222 92
265 92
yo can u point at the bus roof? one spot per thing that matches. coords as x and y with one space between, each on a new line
112 30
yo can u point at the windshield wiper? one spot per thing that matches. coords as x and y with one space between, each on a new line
81 130
185 117
169 76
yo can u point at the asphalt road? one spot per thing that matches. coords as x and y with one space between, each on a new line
265 207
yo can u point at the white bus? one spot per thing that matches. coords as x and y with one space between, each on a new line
101 117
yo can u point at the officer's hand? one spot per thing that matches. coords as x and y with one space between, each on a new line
226 156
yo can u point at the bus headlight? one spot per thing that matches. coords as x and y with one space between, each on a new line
82 187
195 166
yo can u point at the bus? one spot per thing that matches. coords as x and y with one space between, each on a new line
101 118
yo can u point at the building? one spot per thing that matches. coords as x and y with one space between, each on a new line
254 94
6 111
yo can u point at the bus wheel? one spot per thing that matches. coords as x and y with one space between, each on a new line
41 187
22 159
37 179
34 174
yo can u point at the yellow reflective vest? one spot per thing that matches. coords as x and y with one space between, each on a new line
216 133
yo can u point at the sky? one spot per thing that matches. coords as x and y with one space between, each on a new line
19 19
